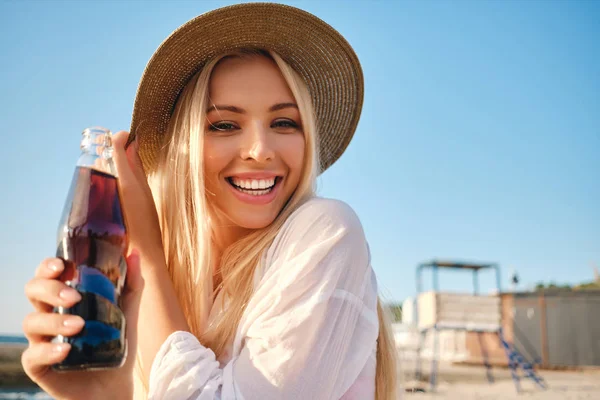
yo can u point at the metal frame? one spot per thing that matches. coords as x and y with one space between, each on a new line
435 265
515 359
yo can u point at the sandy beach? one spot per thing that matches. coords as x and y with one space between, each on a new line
470 383
455 381
560 388
562 385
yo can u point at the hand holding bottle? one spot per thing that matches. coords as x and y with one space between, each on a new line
88 280
45 291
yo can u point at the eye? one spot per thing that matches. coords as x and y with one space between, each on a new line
222 126
285 124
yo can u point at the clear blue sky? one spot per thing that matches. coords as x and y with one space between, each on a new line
479 139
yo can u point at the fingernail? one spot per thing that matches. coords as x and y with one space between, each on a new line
73 322
69 295
59 348
55 266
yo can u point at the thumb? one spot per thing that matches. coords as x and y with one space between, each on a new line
134 282
132 294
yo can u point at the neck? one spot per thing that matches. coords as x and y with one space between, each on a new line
223 236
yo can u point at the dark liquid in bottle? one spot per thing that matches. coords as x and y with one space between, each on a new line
93 242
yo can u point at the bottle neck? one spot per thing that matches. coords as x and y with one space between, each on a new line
97 150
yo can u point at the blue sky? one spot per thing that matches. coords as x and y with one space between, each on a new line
479 138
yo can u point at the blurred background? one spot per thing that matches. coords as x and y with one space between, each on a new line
479 139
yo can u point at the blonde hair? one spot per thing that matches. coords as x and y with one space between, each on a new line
183 207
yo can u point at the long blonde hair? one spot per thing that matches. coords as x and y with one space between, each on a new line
184 211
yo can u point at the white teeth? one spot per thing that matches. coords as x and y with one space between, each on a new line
253 184
255 192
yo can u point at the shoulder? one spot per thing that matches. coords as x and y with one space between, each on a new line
323 226
322 213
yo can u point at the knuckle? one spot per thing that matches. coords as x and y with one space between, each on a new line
120 138
26 323
33 288
30 359
29 288
26 358
44 290
29 317
30 322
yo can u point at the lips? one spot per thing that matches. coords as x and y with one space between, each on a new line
256 197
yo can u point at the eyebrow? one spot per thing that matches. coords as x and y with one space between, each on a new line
276 107
234 109
282 106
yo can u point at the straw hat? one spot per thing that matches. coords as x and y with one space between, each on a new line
313 48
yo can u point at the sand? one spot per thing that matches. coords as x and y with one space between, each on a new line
470 383
455 381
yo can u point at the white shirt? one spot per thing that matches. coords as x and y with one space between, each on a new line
310 328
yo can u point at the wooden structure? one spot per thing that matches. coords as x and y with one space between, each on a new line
480 314
553 329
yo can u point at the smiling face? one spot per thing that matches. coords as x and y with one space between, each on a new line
253 142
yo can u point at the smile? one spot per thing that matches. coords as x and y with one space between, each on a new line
254 187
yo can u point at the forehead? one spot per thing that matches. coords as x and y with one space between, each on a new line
249 75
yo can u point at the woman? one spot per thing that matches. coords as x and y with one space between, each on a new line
242 284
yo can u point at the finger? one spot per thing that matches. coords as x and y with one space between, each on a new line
124 169
130 139
133 287
135 162
37 326
39 357
50 268
131 300
132 178
133 185
134 282
50 292
137 167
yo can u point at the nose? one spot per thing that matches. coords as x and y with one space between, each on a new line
256 144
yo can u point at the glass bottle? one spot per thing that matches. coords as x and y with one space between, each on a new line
92 241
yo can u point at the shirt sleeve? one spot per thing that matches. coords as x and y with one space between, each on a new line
308 330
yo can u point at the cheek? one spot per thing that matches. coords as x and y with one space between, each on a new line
218 153
215 159
294 154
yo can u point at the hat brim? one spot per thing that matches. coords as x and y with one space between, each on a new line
321 56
